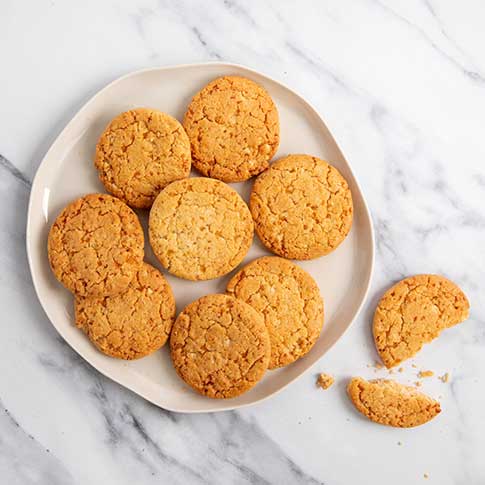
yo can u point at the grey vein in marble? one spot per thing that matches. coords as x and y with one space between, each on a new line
14 171
471 74
19 451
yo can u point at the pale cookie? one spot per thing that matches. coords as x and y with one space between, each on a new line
414 312
139 153
133 323
233 128
388 402
290 302
302 207
200 228
96 246
220 346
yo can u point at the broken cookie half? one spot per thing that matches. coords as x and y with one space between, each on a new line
414 312
390 403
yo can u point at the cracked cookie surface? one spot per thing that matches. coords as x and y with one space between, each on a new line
139 153
95 245
220 346
200 228
388 402
131 324
233 127
414 312
290 302
302 207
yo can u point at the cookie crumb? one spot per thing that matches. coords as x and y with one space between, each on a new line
445 377
426 475
378 365
413 366
325 380
400 369
391 371
418 383
425 373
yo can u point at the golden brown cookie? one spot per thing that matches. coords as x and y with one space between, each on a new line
139 153
414 312
233 128
220 346
96 246
302 207
200 228
133 323
388 402
290 302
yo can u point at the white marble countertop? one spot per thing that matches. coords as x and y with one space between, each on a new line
402 87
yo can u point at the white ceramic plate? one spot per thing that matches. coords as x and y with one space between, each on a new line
67 172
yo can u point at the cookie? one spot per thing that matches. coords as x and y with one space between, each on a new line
388 402
200 228
233 128
220 346
133 323
139 153
96 246
414 312
290 302
302 207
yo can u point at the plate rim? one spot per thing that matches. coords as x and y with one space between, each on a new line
34 189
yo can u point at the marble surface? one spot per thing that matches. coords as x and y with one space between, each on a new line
402 87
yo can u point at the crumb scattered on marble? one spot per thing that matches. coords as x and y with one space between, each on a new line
400 369
418 383
445 377
426 475
413 365
391 371
378 365
325 380
425 373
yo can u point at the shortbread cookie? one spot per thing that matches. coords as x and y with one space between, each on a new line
133 323
96 246
302 207
414 312
233 128
200 228
139 153
220 346
290 302
388 402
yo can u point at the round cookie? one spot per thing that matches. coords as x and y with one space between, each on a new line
220 346
96 246
302 207
290 302
133 323
233 128
200 228
139 153
414 312
388 402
